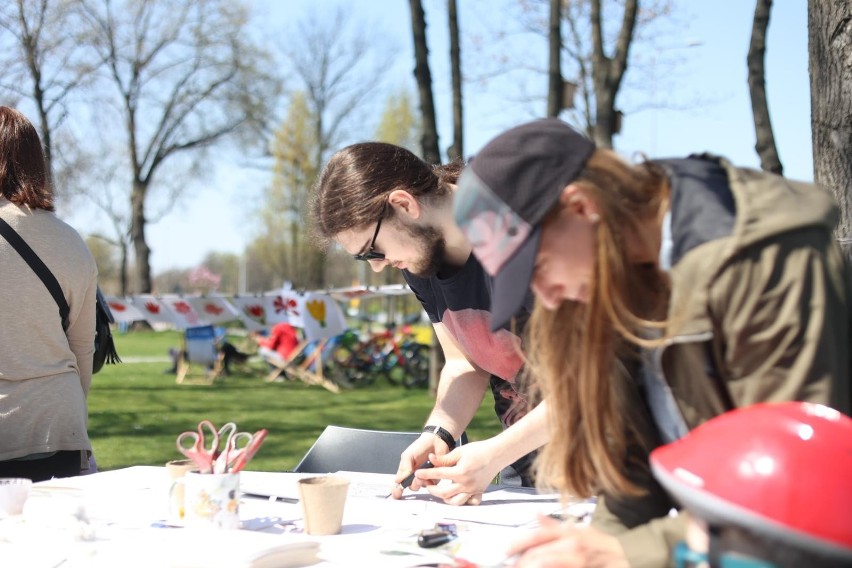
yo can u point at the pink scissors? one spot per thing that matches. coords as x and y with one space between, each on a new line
235 457
203 455
232 448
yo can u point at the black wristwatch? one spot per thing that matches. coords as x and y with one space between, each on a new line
441 433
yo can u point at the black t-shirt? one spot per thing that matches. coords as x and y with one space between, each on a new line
461 302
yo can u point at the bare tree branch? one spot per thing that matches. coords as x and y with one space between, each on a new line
187 77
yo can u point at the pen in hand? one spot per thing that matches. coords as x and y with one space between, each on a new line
406 483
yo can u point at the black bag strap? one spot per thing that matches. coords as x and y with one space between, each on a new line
39 267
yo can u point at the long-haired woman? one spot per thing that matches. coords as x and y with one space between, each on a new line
667 292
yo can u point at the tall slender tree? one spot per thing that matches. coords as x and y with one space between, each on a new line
555 94
765 145
339 68
830 65
429 138
457 149
608 71
340 65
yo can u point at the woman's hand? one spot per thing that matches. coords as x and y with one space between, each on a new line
564 545
413 457
470 468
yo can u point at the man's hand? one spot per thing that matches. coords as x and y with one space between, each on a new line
470 468
413 457
563 545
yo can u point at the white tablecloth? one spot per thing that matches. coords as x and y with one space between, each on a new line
121 517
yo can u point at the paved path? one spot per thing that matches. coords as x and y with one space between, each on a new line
152 359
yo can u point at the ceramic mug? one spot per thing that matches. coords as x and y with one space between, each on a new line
211 500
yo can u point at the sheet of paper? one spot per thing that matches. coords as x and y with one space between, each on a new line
271 484
284 485
501 505
368 485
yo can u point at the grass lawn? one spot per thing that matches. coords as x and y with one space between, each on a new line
136 411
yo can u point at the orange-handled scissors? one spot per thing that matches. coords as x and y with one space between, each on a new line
203 455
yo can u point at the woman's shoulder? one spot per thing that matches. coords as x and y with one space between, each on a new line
61 233
56 242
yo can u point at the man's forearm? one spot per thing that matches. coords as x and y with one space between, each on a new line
524 436
459 397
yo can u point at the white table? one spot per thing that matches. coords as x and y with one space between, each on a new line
121 517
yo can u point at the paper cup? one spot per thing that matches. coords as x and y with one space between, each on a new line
13 494
179 468
211 500
323 500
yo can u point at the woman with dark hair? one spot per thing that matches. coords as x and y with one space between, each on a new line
667 293
386 206
45 363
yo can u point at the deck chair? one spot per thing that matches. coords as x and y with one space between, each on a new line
279 365
354 449
308 369
200 356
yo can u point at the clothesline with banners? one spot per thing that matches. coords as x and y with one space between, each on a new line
317 313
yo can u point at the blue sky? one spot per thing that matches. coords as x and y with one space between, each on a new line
694 70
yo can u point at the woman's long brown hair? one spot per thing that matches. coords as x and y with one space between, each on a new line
581 354
23 174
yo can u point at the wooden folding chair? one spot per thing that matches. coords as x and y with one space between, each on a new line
301 370
279 365
200 356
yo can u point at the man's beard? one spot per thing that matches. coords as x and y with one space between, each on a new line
434 248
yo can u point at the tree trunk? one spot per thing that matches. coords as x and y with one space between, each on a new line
44 123
765 144
429 138
456 151
137 235
607 72
555 89
830 63
123 269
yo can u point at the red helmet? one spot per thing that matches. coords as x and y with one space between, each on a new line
783 470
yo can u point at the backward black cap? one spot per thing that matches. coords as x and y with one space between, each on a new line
524 169
528 166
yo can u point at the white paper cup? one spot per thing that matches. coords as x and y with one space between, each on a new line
176 470
13 494
323 500
179 468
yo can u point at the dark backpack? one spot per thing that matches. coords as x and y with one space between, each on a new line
104 347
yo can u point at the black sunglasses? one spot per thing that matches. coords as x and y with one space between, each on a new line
371 254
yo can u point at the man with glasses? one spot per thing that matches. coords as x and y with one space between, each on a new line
387 207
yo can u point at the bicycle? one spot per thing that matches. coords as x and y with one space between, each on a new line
399 360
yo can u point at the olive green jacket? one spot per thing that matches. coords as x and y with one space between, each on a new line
760 311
